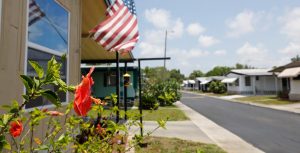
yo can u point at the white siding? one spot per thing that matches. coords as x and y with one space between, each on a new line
295 86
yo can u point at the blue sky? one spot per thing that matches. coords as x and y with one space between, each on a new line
204 34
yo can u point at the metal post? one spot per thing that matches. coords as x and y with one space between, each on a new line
140 97
118 86
125 94
166 37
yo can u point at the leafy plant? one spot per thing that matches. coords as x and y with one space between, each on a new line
66 131
217 87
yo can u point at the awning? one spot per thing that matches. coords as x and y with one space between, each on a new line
229 80
93 12
191 81
205 82
290 72
185 82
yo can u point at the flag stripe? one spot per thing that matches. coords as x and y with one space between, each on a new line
119 32
127 36
115 29
119 38
122 45
108 23
35 13
114 8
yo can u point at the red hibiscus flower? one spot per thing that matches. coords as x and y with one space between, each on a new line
83 101
16 128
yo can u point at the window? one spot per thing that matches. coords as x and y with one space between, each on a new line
257 78
237 82
247 81
110 79
48 36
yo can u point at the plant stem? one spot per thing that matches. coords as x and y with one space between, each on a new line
15 143
31 139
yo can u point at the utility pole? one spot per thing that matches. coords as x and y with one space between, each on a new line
166 37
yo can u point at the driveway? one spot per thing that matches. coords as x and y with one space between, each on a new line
272 131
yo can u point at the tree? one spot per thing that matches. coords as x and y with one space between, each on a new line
296 58
241 66
195 74
219 71
176 75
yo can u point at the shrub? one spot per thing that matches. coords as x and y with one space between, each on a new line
217 87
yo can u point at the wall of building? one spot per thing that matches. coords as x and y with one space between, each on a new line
12 49
295 90
265 85
101 91
13 46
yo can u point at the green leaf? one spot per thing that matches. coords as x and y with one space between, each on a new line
52 97
6 117
27 81
162 124
42 147
4 144
38 69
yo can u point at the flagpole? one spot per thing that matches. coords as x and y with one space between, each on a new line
118 85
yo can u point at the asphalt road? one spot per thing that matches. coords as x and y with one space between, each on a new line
272 131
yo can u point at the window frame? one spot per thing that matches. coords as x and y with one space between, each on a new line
108 79
237 82
44 49
248 82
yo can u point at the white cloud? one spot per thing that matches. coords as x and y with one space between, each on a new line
153 40
291 24
207 41
186 58
254 55
152 44
177 29
220 52
160 18
194 29
291 50
243 23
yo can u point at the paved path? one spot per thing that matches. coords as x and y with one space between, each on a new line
185 130
270 130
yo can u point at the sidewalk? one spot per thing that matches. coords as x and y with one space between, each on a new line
294 108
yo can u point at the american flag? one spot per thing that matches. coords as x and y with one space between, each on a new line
119 32
35 13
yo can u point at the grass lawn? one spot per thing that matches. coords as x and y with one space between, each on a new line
267 100
171 112
174 145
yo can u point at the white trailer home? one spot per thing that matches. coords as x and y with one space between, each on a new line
289 78
250 81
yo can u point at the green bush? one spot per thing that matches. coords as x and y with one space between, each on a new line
164 93
217 87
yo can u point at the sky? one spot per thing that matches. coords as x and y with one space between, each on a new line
204 34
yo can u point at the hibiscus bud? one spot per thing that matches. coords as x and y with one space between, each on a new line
55 113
